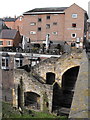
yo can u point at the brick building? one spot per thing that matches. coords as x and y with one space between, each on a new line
14 23
9 38
61 24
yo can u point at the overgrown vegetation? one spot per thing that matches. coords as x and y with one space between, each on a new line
9 112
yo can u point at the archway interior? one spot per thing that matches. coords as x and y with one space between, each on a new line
50 78
68 85
62 96
32 100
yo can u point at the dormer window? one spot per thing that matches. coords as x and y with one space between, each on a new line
18 60
5 61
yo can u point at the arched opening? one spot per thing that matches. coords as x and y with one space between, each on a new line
57 97
50 78
32 100
68 84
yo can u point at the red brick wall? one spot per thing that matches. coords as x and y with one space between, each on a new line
40 35
79 30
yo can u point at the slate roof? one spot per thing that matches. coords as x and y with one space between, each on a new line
49 9
5 54
8 34
18 55
9 19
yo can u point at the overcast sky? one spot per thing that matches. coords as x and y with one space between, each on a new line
18 7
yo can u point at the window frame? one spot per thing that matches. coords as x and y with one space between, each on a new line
47 26
39 29
32 23
74 15
55 33
54 23
73 25
73 34
32 32
18 62
8 41
39 19
48 17
5 63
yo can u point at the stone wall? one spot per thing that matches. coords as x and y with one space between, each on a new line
80 104
58 65
31 84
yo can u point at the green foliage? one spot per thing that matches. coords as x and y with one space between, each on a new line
8 113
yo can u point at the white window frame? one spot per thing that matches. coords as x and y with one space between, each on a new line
10 43
72 35
19 62
48 26
74 15
54 33
32 32
32 23
20 18
6 66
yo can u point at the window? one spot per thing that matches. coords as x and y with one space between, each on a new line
18 62
3 62
47 26
20 18
55 33
6 62
74 15
54 23
39 20
32 32
73 35
73 24
32 23
21 62
28 40
1 42
48 17
9 43
39 28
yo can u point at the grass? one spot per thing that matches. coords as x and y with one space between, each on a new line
9 113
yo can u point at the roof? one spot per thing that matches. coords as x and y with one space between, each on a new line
8 34
9 19
5 55
48 9
18 55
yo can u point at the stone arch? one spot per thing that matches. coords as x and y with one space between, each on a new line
50 78
68 84
32 100
68 67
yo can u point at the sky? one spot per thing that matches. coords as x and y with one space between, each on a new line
11 8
